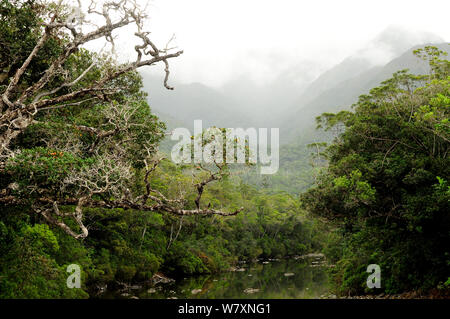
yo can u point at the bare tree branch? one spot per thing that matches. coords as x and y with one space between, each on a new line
113 144
19 113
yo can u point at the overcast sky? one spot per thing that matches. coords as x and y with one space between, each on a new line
226 38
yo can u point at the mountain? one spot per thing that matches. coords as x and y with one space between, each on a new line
262 103
293 99
389 44
299 121
290 102
298 126
189 102
238 103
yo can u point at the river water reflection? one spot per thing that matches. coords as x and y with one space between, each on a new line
299 279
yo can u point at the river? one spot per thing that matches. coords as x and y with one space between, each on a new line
300 278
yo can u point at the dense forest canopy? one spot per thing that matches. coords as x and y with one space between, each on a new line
387 181
75 127
83 180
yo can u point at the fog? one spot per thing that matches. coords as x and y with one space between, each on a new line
263 39
258 62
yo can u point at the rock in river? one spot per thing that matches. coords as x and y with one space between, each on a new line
288 274
251 290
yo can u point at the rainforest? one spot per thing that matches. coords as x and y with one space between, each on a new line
87 178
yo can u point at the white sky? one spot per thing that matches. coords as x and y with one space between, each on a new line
226 38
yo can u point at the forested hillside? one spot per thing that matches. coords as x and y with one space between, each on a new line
334 98
86 176
295 106
386 187
83 182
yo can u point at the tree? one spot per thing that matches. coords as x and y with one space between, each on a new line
387 181
75 130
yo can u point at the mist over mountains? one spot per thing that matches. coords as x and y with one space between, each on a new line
345 93
388 45
293 100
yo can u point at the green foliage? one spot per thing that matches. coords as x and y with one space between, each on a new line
131 246
43 166
28 268
19 33
123 246
386 185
